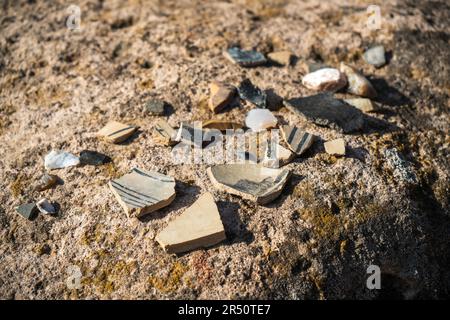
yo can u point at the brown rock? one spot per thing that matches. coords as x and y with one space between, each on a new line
281 57
357 83
221 95
335 147
363 104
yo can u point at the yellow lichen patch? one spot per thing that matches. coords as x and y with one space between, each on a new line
325 223
111 171
18 185
305 191
343 247
172 281
93 235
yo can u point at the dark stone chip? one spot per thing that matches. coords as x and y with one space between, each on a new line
246 58
94 158
27 210
155 107
247 91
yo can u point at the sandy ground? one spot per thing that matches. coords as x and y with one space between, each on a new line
335 217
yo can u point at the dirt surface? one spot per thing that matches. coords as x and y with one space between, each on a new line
336 216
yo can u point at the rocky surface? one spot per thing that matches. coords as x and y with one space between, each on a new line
335 217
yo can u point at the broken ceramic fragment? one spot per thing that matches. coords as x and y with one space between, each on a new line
276 156
46 182
249 92
363 104
298 141
163 133
357 83
250 181
260 119
141 192
335 147
326 79
375 56
27 210
116 132
325 110
199 226
45 207
94 158
155 107
58 159
245 58
221 125
221 95
283 58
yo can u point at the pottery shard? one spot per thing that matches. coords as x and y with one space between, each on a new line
245 58
335 147
116 132
250 181
357 83
221 96
141 192
325 110
363 104
198 227
46 182
45 207
326 79
163 133
221 125
276 156
283 58
298 141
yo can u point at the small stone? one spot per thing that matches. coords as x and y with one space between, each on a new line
402 169
276 156
274 101
58 159
245 58
325 110
155 107
314 66
247 91
164 134
260 119
116 132
283 58
141 192
375 56
298 141
327 79
94 158
221 125
250 181
45 207
335 147
27 210
363 104
220 96
357 83
46 182
191 135
199 226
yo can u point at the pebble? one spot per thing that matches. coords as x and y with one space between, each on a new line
363 104
46 182
283 58
163 133
27 210
249 181
141 192
375 56
199 226
245 58
325 110
116 132
221 96
155 107
45 207
260 119
58 159
326 79
94 158
335 147
249 92
357 83
276 156
298 141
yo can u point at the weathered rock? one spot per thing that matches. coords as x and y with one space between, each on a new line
163 133
46 182
335 147
58 159
357 83
260 119
276 156
198 227
283 58
402 169
221 125
249 181
221 95
363 104
27 210
325 110
141 192
247 91
245 58
155 107
375 56
45 207
326 79
116 132
298 141
94 158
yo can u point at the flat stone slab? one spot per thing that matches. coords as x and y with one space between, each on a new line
357 83
326 79
27 210
298 141
250 181
335 147
199 226
141 192
164 134
220 96
249 92
116 132
58 159
325 110
245 58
